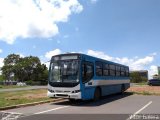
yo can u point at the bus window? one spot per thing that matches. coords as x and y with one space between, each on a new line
122 71
118 69
105 69
87 71
127 71
112 70
99 68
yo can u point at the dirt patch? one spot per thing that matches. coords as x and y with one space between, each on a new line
145 89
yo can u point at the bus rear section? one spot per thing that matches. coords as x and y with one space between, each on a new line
79 76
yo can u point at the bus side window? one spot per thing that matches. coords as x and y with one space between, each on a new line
99 69
118 71
122 71
87 71
105 69
127 71
112 70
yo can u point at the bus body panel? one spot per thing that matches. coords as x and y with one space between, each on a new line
107 87
88 93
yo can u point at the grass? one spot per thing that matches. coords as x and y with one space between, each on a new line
22 97
10 86
146 93
143 83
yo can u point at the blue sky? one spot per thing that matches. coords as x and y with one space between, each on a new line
124 31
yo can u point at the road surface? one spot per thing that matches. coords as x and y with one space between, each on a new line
114 107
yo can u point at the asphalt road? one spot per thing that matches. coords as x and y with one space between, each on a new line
114 107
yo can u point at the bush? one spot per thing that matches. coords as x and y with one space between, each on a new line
30 82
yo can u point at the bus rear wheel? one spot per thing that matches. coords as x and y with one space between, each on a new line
97 94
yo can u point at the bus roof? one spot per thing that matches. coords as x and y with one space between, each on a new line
95 58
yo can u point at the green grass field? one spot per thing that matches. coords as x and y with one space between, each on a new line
143 83
22 97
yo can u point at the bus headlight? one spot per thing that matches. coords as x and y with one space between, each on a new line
52 91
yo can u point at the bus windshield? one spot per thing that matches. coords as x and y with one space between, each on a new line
64 71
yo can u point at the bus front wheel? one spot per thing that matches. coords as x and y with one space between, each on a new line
97 94
72 100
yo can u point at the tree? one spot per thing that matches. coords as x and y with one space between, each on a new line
8 70
24 69
11 59
1 77
30 68
135 77
44 75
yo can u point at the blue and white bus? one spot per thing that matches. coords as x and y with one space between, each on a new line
79 76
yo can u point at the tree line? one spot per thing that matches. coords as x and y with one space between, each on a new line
24 69
135 77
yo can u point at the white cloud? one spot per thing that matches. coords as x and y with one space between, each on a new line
21 55
154 54
1 62
93 1
99 54
49 54
47 64
140 63
152 71
34 18
1 50
134 63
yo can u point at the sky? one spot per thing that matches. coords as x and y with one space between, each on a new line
123 31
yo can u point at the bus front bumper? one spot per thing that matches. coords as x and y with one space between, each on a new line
64 95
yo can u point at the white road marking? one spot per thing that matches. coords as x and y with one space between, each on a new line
51 110
132 116
10 112
10 115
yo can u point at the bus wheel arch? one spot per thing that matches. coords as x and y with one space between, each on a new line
97 94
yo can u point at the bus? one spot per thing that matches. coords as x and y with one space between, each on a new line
79 76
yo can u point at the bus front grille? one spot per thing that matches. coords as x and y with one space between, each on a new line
61 95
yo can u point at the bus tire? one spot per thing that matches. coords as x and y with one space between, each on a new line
97 94
72 100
